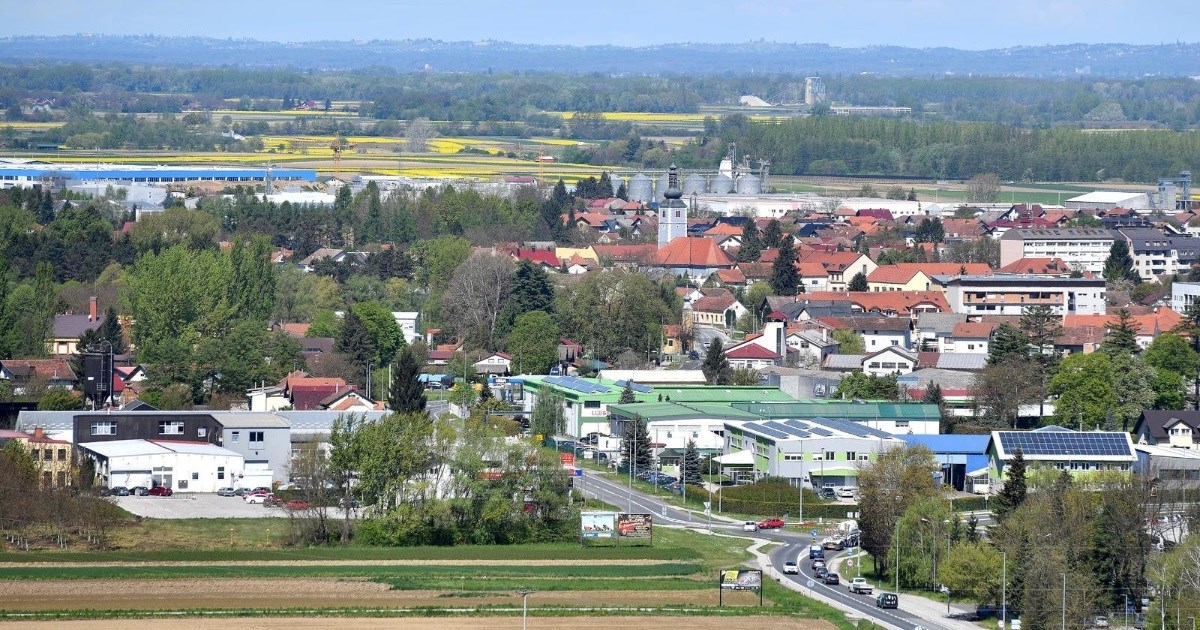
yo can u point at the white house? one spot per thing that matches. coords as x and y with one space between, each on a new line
1183 294
180 466
890 360
1085 249
813 345
1012 294
409 323
751 356
494 363
969 337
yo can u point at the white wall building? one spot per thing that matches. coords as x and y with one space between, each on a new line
1012 294
180 466
1085 249
1183 294
1109 199
409 323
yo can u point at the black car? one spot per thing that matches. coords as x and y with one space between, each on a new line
832 578
119 491
828 493
819 571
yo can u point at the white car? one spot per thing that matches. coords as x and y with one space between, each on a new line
749 526
257 498
845 493
791 567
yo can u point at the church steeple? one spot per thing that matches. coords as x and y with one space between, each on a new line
672 214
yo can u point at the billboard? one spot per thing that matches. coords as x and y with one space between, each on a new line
597 524
635 526
741 580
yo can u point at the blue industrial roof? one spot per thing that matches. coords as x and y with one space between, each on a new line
153 173
966 444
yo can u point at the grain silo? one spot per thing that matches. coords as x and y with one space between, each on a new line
721 185
694 184
640 188
749 184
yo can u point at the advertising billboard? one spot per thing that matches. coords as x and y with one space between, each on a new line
741 580
598 524
635 526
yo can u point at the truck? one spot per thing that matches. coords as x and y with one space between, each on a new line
860 586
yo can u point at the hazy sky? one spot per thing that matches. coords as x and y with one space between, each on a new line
971 24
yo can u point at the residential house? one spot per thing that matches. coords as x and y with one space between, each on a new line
719 311
409 323
1012 294
442 353
1149 325
751 356
543 258
841 267
567 254
888 361
333 254
68 328
958 230
626 256
495 363
933 329
29 375
1085 249
349 400
917 276
731 278
877 332
672 340
54 458
812 345
307 392
1174 429
969 337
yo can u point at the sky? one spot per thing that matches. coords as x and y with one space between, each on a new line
967 24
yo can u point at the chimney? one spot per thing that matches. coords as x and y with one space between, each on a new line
39 434
92 309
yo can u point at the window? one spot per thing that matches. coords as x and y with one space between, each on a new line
851 456
256 436
104 427
220 472
62 454
195 476
62 479
48 454
236 436
46 479
201 431
591 404
828 456
170 427
902 424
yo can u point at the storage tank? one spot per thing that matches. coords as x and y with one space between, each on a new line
660 186
721 185
749 184
616 181
694 184
640 188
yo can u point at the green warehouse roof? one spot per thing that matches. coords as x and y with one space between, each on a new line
606 391
847 410
656 411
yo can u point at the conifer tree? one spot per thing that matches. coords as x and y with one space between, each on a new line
785 279
691 464
406 394
1013 494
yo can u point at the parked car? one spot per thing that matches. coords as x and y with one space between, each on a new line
791 567
845 493
258 497
771 523
887 600
297 504
832 578
226 492
1100 622
160 491
119 491
262 489
860 585
240 492
749 526
140 491
270 500
828 493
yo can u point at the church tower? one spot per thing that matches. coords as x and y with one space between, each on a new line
673 212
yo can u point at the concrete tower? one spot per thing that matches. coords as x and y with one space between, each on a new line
673 213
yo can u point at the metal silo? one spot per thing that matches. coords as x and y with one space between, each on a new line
749 185
660 186
721 185
640 189
694 184
616 181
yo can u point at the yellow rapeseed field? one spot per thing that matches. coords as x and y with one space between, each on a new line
29 126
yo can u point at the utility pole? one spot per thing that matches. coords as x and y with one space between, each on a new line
1004 590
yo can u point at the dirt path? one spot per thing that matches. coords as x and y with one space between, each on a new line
425 623
233 593
338 563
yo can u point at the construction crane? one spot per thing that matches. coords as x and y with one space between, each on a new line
338 146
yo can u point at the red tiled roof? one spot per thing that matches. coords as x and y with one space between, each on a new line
713 304
831 261
755 270
963 228
1148 325
296 330
690 251
1039 266
731 276
723 229
750 351
974 330
627 253
537 256
901 273
57 368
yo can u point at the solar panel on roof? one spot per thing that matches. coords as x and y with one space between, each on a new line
762 428
1065 443
635 386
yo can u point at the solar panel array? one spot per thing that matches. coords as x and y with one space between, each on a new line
635 386
577 384
1066 443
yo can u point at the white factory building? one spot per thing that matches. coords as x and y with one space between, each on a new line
180 466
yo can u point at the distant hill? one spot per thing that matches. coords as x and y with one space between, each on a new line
1109 60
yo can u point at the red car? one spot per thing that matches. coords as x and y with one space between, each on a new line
297 504
772 523
160 491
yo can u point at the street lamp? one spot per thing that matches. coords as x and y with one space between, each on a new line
1004 590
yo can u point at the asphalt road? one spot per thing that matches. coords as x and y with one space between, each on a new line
795 547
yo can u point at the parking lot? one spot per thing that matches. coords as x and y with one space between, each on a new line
190 505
